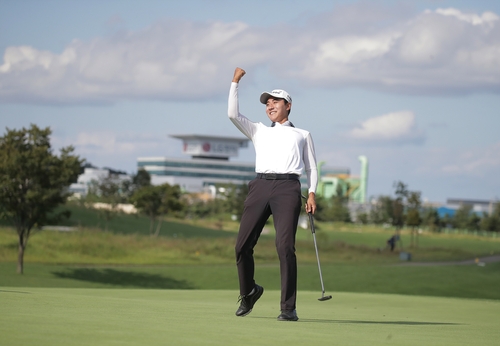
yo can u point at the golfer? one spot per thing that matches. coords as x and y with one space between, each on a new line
282 153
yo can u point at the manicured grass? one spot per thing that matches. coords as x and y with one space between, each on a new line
40 316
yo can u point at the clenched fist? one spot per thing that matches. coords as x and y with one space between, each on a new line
238 73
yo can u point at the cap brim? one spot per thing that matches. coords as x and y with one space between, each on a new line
264 97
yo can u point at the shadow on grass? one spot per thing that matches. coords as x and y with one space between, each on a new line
403 323
9 291
123 278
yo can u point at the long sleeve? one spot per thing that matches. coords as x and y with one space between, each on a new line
310 164
243 124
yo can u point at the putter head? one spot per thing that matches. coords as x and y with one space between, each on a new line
324 298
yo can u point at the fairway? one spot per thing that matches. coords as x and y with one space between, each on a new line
65 316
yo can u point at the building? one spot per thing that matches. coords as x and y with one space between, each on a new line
209 164
477 206
90 174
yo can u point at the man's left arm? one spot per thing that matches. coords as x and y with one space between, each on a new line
311 169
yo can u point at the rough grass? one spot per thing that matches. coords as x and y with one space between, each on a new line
97 247
122 223
87 246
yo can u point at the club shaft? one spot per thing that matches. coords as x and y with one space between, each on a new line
313 231
319 265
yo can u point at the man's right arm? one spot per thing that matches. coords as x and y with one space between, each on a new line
233 104
241 122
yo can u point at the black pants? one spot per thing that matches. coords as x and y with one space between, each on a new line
282 199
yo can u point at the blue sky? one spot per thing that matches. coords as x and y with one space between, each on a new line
413 85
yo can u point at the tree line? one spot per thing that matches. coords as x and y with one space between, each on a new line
406 209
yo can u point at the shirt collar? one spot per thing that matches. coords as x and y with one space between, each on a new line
286 123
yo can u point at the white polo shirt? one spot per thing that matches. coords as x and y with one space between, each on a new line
279 149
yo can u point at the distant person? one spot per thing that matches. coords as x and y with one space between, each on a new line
282 153
392 241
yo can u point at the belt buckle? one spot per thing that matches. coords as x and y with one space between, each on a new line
271 176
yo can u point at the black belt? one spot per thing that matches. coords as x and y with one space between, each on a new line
276 176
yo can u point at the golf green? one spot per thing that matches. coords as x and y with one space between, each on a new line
75 316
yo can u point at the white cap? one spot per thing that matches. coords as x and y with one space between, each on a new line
278 93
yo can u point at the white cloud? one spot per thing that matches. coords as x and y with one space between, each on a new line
354 49
397 128
167 61
488 18
435 52
442 51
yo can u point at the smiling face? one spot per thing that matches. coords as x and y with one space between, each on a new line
277 110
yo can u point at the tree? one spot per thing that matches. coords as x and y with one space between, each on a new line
465 218
491 222
413 218
430 218
33 181
382 210
334 209
155 201
339 210
197 208
139 180
110 191
398 209
362 218
149 202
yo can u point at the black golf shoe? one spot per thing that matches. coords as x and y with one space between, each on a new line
248 301
288 315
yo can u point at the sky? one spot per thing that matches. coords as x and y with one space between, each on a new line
413 85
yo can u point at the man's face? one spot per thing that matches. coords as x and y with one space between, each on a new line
277 110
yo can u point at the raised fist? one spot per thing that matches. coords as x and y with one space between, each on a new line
238 73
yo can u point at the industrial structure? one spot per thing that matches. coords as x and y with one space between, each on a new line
343 183
209 164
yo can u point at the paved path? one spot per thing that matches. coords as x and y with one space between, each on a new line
487 259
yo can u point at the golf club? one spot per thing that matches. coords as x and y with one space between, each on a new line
313 231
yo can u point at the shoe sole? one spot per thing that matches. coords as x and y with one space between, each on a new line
246 313
288 317
258 297
288 320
